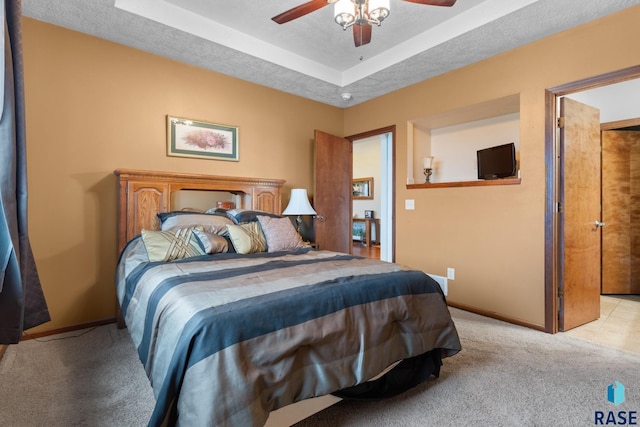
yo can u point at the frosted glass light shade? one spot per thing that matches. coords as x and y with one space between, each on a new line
299 203
344 12
428 162
378 9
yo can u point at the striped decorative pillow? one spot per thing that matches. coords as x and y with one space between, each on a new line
247 238
211 243
171 245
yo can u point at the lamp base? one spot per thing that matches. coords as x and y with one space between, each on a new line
427 175
298 223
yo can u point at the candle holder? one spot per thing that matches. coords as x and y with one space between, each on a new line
428 168
427 174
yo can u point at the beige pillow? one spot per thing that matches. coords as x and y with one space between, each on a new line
280 234
212 243
247 238
171 245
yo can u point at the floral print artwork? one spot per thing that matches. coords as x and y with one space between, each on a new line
206 140
191 138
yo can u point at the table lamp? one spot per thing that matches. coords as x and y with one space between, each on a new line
299 205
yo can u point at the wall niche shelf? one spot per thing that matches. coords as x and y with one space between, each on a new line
479 183
453 138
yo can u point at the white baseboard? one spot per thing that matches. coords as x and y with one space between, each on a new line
442 281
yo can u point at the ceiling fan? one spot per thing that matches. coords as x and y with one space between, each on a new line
359 14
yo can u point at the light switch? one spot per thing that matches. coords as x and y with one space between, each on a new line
409 204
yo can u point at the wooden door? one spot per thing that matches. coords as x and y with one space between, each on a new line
332 193
579 198
621 212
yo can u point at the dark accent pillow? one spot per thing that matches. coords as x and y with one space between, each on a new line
245 215
218 211
230 248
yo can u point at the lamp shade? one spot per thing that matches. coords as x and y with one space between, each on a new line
343 13
428 162
299 203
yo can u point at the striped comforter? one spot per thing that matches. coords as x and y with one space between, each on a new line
225 339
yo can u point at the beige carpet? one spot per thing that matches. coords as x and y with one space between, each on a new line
506 375
94 379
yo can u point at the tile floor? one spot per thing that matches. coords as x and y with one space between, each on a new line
618 325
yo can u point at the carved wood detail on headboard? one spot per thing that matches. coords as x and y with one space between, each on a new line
143 194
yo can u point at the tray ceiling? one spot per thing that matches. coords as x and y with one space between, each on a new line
312 56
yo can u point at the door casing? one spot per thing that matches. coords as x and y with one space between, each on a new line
391 130
552 250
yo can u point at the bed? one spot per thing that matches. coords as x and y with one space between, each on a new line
236 317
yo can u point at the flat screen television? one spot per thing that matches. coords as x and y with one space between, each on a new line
497 162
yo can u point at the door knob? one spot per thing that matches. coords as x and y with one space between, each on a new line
599 224
319 218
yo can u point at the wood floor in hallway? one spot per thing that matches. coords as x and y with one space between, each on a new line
372 251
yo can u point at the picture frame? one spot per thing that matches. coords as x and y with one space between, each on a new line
200 139
368 214
362 188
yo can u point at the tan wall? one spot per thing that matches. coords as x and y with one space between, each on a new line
93 106
494 236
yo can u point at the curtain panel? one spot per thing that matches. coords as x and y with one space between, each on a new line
22 303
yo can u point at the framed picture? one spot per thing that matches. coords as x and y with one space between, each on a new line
368 214
362 188
204 140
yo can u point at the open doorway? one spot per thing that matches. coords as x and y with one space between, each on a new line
371 212
373 216
554 263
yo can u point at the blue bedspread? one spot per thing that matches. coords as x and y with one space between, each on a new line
226 339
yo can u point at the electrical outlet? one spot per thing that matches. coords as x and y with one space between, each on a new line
451 273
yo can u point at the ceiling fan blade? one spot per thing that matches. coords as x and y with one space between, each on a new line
361 34
298 11
447 3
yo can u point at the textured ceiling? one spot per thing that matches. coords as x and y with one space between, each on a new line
312 56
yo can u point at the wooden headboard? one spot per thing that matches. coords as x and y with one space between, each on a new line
143 194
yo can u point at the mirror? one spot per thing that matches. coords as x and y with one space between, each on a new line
362 188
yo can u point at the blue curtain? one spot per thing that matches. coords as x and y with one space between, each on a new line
22 303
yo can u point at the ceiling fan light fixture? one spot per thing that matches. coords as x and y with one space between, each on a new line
343 13
378 10
359 14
